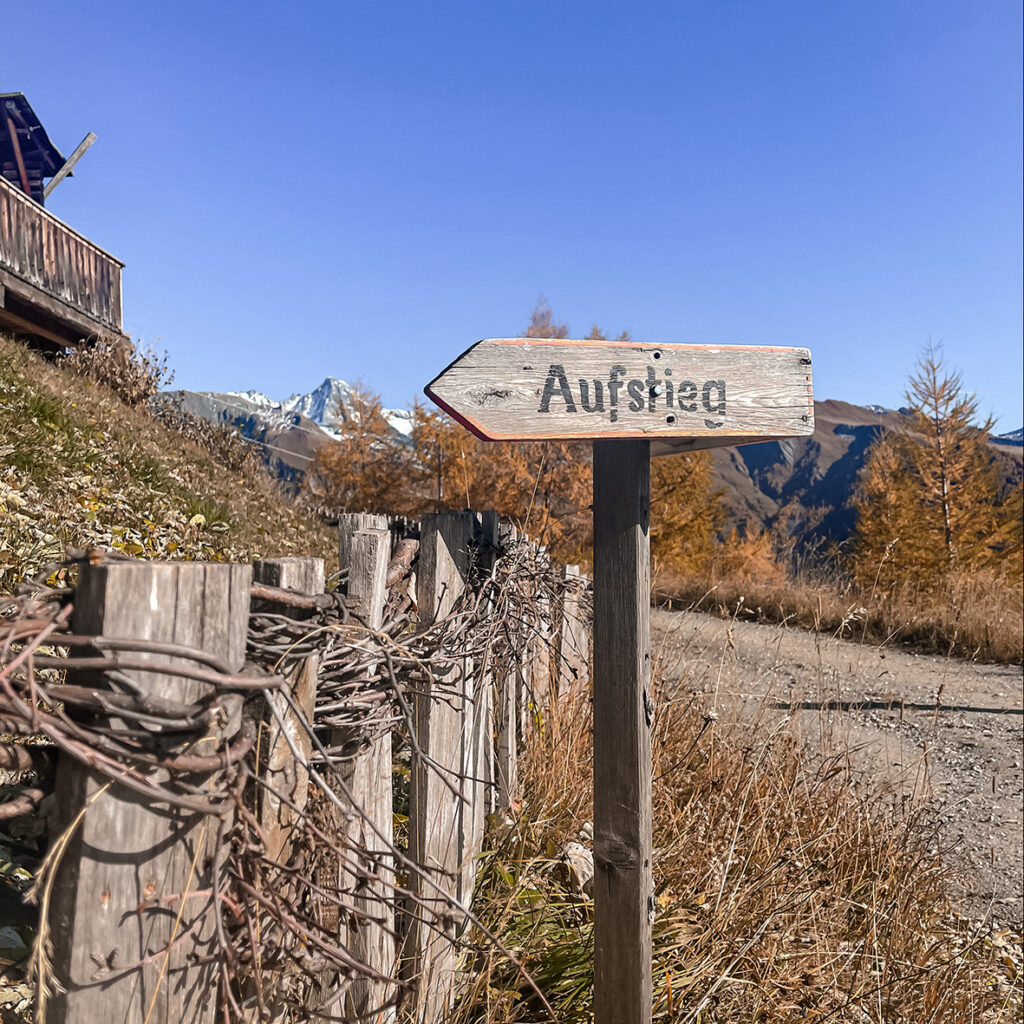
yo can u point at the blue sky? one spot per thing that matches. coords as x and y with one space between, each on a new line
363 190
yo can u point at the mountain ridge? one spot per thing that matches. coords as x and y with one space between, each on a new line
805 486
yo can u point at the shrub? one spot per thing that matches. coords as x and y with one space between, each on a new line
134 374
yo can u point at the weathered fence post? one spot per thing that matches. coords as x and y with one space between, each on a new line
537 692
478 725
281 772
573 635
366 544
436 806
132 910
506 698
623 889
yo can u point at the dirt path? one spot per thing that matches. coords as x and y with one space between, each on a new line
942 730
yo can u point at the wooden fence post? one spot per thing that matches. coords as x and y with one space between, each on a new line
573 635
507 699
281 772
435 811
367 542
478 726
124 849
623 896
537 693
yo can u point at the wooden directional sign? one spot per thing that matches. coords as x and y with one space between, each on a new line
679 397
633 401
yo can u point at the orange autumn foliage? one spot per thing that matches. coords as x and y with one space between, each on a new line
544 487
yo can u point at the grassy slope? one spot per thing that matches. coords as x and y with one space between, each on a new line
79 468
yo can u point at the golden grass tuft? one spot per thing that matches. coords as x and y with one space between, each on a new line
972 615
784 893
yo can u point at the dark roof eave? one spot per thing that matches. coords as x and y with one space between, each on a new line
51 154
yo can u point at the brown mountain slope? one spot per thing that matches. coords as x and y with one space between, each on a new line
807 485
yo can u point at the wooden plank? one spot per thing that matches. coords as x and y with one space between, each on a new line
22 173
506 696
68 164
372 936
573 635
539 659
127 848
477 731
548 389
623 895
53 262
282 773
445 559
78 320
348 526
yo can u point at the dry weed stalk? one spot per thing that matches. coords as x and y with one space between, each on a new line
783 892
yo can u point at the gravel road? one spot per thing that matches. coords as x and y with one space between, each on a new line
941 730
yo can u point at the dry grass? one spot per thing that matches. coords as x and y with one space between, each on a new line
784 893
79 467
133 374
974 615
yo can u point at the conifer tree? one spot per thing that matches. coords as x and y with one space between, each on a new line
929 504
686 513
544 486
369 468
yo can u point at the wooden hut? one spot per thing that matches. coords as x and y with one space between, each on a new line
56 286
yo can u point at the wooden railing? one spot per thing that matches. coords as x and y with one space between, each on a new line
50 266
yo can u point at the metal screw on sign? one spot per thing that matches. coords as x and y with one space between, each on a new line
633 401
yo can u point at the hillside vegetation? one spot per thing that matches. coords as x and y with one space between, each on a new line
79 468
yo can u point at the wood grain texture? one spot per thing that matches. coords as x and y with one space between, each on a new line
573 636
540 659
52 259
507 389
283 774
477 727
368 777
623 894
348 526
435 812
507 697
126 848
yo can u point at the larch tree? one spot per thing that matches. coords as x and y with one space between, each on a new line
369 468
929 504
686 513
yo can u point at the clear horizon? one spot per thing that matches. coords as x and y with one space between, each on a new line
363 192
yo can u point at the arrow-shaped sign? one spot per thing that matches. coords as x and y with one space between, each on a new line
680 397
655 399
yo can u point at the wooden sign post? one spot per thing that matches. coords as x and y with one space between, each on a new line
633 400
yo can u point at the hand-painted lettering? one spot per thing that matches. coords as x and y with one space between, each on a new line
718 409
685 398
613 390
556 374
643 394
598 405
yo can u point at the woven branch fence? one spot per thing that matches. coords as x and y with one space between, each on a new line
265 790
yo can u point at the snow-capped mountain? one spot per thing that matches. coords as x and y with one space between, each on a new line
1014 437
328 406
287 432
811 480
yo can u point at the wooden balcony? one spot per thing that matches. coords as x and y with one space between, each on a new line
55 285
